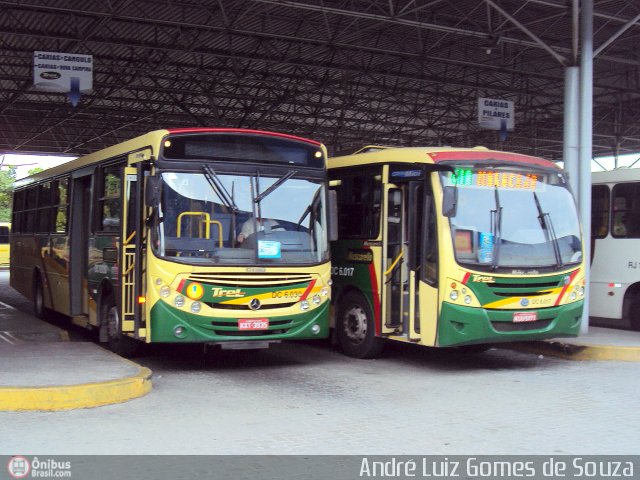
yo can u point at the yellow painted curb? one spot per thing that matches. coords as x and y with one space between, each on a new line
570 351
68 397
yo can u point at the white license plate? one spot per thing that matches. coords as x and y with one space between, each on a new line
521 317
253 323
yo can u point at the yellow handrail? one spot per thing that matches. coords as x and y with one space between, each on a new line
390 269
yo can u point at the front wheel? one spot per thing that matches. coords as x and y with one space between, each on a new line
356 328
117 342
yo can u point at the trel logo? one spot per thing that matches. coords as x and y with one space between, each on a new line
50 75
224 292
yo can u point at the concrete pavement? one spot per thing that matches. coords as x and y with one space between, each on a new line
41 370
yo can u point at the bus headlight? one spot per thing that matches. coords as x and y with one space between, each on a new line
164 291
195 307
324 291
581 291
316 299
573 295
467 299
453 295
304 305
178 301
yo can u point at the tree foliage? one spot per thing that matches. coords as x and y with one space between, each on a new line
7 177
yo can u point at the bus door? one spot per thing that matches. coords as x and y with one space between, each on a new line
133 252
79 243
405 246
395 275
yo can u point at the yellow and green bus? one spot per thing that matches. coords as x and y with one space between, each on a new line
453 247
5 233
218 236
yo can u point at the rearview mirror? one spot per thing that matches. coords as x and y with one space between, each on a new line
152 192
450 201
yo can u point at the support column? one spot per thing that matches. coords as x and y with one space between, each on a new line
586 141
571 145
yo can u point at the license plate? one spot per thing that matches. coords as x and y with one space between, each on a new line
521 317
253 324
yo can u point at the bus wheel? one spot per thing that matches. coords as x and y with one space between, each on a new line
117 342
356 329
634 313
39 309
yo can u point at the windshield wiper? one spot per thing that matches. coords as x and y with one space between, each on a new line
547 225
279 182
218 187
496 227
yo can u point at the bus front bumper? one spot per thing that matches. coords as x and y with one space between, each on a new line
169 324
460 325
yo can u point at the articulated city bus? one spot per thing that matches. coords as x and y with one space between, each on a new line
448 247
204 235
615 243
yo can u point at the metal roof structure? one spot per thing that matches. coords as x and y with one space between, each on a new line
345 72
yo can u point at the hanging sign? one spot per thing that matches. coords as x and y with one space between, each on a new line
69 73
496 114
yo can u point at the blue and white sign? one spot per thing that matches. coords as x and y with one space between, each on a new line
495 114
269 249
485 247
69 73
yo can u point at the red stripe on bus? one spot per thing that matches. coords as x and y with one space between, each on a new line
241 130
566 287
375 298
180 285
504 156
308 290
466 278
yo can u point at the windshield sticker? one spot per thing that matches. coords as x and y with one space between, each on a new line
485 247
268 249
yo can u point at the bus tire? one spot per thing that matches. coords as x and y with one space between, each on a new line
634 312
117 342
39 310
356 328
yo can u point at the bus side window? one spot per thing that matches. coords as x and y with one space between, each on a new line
600 211
626 210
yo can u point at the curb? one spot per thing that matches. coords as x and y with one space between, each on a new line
68 397
569 351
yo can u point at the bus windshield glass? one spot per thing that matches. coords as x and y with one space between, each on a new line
508 218
208 218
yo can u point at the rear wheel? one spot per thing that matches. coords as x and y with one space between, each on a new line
356 328
634 312
39 309
116 341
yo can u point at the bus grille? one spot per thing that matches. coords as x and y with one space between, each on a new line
250 279
521 289
235 306
520 327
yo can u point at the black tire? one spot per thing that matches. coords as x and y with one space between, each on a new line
355 327
39 310
634 313
117 342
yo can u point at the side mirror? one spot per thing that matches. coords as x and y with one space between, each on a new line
152 192
333 215
450 201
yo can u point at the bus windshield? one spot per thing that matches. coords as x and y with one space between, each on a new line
237 219
508 218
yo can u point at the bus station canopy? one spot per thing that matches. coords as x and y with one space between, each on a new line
345 72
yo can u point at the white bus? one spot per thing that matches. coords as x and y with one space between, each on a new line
615 246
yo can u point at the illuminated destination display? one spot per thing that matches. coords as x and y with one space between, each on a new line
491 178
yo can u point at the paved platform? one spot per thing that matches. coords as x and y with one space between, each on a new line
599 343
42 370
